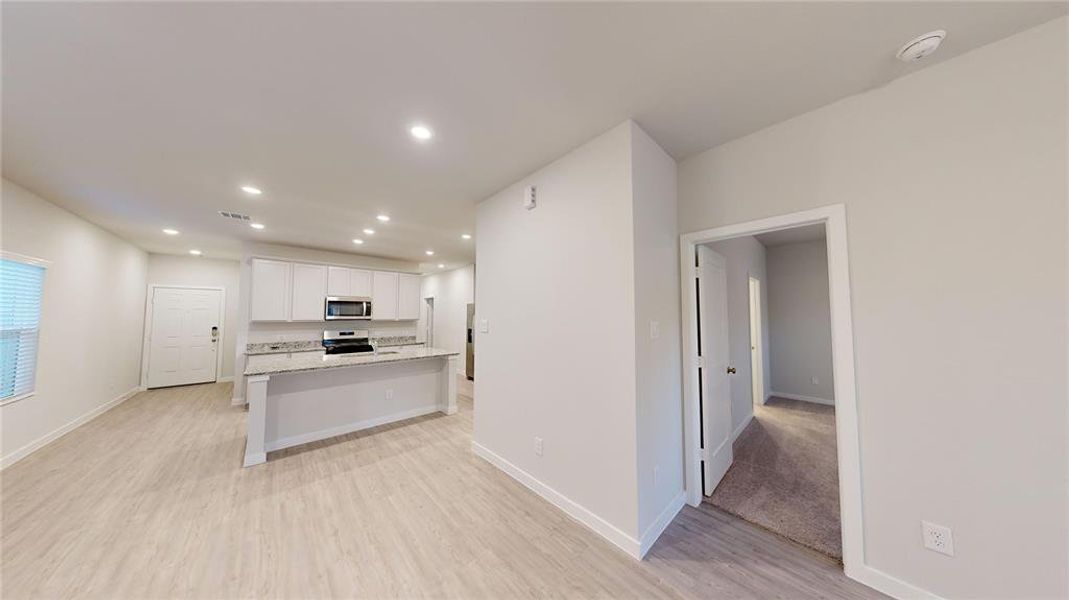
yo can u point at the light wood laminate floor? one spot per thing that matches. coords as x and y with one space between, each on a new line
150 501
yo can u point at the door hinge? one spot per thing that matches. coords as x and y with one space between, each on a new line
699 361
698 272
703 454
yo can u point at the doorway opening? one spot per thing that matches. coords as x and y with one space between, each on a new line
428 321
784 459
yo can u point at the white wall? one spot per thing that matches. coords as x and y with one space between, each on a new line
91 319
557 286
799 320
197 271
745 257
452 291
955 185
657 383
569 289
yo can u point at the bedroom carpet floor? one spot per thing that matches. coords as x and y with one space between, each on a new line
785 476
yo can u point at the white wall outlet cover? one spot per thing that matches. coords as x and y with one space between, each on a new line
655 329
538 446
938 538
389 394
815 380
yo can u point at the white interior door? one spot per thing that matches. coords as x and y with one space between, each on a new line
757 353
715 387
184 339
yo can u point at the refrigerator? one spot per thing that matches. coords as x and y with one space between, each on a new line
469 363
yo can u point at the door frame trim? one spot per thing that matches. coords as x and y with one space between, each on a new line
843 359
147 335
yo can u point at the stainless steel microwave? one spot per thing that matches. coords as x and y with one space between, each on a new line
347 308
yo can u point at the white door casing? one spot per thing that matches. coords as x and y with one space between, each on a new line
715 387
183 348
757 363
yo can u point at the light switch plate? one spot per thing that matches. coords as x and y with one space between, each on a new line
484 325
655 329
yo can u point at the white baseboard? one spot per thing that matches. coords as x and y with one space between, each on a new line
812 399
592 521
892 586
237 401
226 379
315 436
742 426
656 528
48 438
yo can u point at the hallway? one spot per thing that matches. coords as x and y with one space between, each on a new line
785 475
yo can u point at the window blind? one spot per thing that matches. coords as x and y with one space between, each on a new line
21 285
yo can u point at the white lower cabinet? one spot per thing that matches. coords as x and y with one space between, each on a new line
309 292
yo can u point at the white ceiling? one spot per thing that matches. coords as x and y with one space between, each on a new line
795 235
145 115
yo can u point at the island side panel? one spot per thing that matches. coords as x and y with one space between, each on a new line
256 420
448 396
308 406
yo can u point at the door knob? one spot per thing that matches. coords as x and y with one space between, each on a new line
731 370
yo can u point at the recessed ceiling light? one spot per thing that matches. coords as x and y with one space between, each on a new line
383 218
256 225
248 189
195 252
430 253
170 231
358 241
441 266
465 236
369 231
421 132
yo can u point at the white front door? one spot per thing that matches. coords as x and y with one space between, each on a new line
184 339
715 387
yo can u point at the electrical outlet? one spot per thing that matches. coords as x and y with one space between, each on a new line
538 446
389 394
938 538
815 380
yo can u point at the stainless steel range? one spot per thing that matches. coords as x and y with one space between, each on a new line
347 342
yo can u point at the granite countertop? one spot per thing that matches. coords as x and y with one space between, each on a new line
307 360
317 345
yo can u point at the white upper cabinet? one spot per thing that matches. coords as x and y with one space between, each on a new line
408 297
285 291
270 297
309 292
384 300
360 284
338 281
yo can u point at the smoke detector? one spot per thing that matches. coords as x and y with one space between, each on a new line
921 46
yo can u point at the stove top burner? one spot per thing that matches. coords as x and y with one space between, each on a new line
347 342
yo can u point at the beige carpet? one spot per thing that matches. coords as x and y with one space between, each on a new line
785 474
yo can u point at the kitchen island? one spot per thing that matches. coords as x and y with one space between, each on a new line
300 397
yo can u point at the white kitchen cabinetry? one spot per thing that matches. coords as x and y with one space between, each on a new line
309 292
338 281
384 296
271 280
295 291
407 297
343 281
360 284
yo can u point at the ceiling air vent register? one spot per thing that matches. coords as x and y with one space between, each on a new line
236 216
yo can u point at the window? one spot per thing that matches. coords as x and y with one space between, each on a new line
21 284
